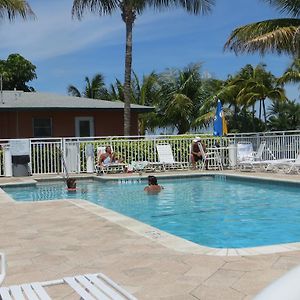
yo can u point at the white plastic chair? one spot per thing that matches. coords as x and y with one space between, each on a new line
166 158
213 156
87 287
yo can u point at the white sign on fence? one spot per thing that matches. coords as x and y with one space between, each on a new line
19 147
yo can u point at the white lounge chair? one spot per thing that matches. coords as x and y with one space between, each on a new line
253 158
87 287
2 267
244 151
166 158
286 287
291 166
111 167
273 165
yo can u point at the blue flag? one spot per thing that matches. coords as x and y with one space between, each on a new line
220 126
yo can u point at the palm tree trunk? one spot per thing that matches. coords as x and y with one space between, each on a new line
260 109
128 64
253 116
264 109
235 116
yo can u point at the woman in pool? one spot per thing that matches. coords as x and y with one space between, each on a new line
153 186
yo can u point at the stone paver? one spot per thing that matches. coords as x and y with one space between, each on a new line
50 240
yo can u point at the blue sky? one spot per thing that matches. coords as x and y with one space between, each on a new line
66 50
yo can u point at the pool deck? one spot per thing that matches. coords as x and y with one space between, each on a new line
52 239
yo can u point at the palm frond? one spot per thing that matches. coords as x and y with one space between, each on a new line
73 91
266 36
291 7
13 8
101 7
192 6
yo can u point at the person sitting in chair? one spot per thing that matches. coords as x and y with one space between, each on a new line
196 154
108 157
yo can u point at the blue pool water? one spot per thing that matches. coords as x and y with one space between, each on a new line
212 211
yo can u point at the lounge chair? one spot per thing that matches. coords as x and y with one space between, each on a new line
87 287
289 165
2 267
166 158
252 158
244 151
273 165
286 287
107 168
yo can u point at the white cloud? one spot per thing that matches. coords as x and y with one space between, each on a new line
54 32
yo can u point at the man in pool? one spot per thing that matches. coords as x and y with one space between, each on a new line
153 187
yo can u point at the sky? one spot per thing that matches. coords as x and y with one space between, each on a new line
66 50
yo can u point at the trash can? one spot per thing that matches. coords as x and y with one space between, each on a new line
20 157
232 152
20 165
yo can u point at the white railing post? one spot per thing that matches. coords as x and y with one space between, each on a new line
7 161
89 155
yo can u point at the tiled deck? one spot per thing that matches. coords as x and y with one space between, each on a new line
49 240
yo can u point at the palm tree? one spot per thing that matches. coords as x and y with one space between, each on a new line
145 92
284 116
259 85
94 88
116 91
182 93
129 11
275 35
292 74
11 8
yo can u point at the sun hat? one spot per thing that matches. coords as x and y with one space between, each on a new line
196 139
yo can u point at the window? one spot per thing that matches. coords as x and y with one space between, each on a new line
42 127
84 126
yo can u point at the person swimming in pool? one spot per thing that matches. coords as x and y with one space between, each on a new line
153 186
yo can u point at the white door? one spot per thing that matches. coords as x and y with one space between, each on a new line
84 126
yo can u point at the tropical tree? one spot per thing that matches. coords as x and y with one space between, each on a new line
292 74
181 95
12 8
239 93
94 88
129 10
284 116
116 91
16 72
145 92
244 122
275 35
259 85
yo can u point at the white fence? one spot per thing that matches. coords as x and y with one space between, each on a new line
46 154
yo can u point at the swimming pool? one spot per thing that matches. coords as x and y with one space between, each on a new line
215 211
